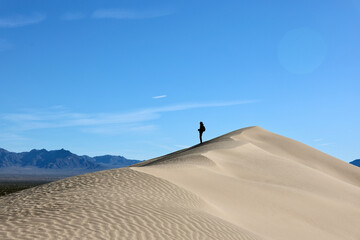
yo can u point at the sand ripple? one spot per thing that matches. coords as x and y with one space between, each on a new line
114 204
249 184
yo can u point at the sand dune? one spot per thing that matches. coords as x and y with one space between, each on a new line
248 184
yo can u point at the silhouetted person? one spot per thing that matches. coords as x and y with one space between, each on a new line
201 130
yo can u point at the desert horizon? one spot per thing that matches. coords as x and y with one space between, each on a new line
247 184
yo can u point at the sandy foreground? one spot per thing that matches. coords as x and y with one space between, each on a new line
248 184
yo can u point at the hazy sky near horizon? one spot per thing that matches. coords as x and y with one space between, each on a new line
134 78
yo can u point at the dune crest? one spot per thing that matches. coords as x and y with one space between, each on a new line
247 184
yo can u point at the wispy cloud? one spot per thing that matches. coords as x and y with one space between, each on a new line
5 45
99 122
115 129
161 96
129 13
69 16
21 20
11 137
317 139
185 106
163 146
320 142
326 144
182 146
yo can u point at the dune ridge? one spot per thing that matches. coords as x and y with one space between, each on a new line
247 184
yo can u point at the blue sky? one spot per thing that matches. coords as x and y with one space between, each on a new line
134 78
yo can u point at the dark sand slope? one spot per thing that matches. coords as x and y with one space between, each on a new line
248 184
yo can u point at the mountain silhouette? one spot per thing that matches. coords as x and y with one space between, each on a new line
356 162
60 159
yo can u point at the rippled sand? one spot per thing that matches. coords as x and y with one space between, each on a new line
248 184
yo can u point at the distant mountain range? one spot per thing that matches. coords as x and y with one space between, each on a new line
356 162
60 159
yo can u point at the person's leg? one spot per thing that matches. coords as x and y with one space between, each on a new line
200 137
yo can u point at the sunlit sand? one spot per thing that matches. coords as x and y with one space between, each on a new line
248 184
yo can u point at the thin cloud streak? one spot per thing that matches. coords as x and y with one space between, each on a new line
115 129
42 120
326 144
60 119
21 20
186 106
11 137
129 14
317 139
161 96
181 146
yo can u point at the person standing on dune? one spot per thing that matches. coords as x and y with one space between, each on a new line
201 130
